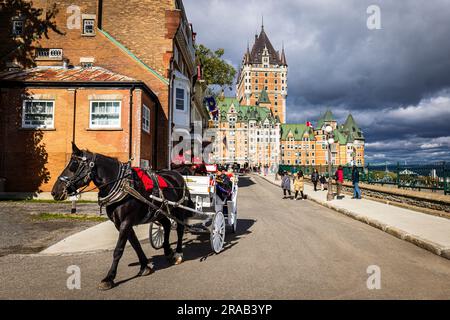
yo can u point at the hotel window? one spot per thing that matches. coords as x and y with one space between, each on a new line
38 114
17 27
105 114
145 118
179 97
88 26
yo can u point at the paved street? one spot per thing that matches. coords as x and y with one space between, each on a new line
283 249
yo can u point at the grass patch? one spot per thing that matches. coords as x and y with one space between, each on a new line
60 216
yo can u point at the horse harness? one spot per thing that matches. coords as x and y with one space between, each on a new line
71 182
122 187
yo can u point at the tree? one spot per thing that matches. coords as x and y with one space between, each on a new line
20 49
215 70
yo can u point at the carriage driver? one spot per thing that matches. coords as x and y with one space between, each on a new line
224 184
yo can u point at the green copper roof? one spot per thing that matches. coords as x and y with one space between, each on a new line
263 97
352 130
244 113
327 117
339 137
298 130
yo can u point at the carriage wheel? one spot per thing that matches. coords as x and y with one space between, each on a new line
156 235
218 232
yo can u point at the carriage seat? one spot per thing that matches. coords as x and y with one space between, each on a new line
148 181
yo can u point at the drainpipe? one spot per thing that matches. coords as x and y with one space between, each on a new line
74 114
130 145
169 144
100 14
154 137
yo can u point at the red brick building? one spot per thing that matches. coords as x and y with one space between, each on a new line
147 44
46 108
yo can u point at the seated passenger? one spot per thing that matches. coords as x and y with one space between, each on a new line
224 186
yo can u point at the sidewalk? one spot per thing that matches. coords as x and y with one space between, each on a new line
426 231
100 237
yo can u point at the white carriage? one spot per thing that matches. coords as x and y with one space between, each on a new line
211 214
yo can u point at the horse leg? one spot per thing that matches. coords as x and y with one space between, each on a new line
167 225
108 282
145 269
179 251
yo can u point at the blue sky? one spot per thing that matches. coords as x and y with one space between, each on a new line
395 80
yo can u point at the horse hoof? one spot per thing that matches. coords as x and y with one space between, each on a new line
145 272
178 259
106 285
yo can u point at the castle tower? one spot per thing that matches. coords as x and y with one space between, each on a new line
264 73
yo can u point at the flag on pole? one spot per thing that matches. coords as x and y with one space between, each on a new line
212 107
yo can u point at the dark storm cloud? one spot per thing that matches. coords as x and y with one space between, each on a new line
394 81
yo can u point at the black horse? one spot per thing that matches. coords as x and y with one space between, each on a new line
85 167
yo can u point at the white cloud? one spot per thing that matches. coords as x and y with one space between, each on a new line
395 81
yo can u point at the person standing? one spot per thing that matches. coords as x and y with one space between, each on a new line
315 178
355 181
323 183
298 185
286 185
339 181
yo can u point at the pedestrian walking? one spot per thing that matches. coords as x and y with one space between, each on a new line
298 185
323 183
286 185
315 178
339 176
355 181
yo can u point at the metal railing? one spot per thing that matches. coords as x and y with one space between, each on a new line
431 176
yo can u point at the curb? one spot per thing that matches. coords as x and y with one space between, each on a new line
420 242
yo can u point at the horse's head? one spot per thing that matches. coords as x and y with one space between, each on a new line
77 174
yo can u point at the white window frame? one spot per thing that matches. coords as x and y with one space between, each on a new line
31 126
14 26
91 126
184 99
146 118
84 27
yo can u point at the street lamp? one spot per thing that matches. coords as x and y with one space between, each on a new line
330 141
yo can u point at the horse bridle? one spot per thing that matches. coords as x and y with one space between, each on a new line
71 182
